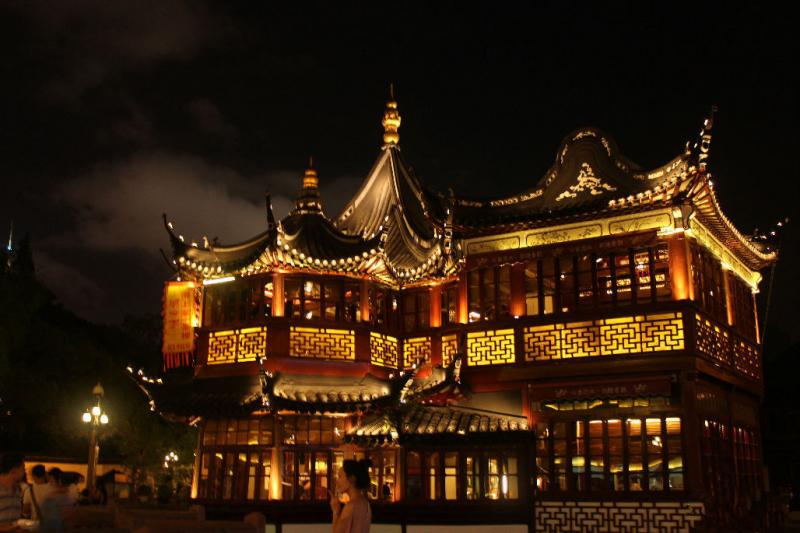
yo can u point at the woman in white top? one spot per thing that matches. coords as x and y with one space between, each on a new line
353 480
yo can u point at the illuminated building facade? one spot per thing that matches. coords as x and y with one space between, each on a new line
584 352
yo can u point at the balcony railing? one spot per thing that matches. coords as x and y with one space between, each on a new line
670 327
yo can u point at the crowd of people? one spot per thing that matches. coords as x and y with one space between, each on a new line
36 503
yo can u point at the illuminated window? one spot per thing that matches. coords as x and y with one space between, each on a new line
449 305
451 476
329 299
586 281
416 310
235 459
532 304
433 476
566 284
472 466
608 456
489 293
413 479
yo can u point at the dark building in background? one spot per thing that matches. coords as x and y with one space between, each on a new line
585 351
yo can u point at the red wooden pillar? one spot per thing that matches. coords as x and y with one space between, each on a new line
518 289
679 261
277 294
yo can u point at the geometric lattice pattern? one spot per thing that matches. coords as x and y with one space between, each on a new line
490 347
237 345
416 351
712 340
322 343
449 348
722 346
617 516
383 350
611 336
746 359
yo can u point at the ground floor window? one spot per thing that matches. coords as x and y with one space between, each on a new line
461 475
383 474
235 473
609 455
731 460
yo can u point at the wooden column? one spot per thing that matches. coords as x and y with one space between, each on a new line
364 301
518 289
277 294
727 283
679 268
436 306
755 318
462 308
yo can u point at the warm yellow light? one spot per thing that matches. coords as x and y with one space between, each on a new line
96 410
87 417
217 281
104 418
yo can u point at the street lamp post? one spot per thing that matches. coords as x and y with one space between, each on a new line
95 417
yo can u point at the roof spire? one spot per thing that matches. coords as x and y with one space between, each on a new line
309 195
391 120
310 180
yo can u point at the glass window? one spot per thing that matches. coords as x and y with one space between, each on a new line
423 309
597 470
510 481
642 275
292 293
352 302
451 476
449 302
333 300
474 295
504 292
566 284
434 492
624 277
493 481
674 454
542 457
661 270
616 469
585 282
269 292
633 428
655 451
605 289
409 311
472 465
532 288
560 454
548 284
578 454
413 476
321 475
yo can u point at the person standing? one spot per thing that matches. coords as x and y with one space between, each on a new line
35 493
12 471
352 480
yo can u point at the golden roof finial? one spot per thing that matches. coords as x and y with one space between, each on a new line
310 180
391 120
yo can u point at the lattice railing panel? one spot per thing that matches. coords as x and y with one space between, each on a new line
490 347
417 351
383 350
712 340
449 348
236 345
322 343
611 336
618 516
747 359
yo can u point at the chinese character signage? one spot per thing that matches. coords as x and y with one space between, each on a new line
180 316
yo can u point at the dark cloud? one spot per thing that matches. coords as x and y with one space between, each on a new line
86 42
211 120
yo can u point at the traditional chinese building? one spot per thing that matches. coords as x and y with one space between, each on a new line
586 351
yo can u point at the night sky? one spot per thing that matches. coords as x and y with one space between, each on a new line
114 112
